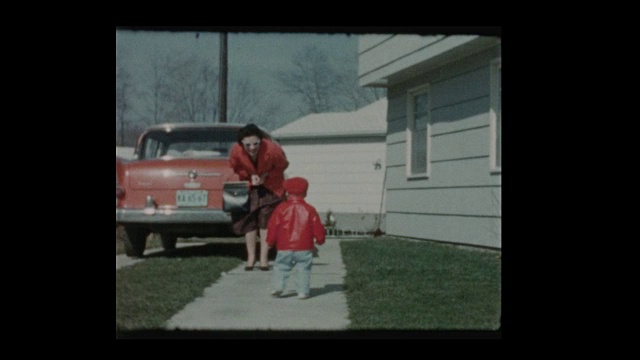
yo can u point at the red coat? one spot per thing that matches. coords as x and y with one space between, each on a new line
271 160
294 224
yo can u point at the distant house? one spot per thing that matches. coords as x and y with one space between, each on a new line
444 138
124 152
343 157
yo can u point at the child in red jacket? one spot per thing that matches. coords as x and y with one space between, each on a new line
292 228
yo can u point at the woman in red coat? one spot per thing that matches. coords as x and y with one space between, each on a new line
262 162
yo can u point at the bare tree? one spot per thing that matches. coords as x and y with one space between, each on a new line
248 105
243 101
351 95
124 89
326 84
269 115
312 78
133 131
191 89
156 97
185 90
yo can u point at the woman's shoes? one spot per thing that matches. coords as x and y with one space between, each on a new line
250 268
263 268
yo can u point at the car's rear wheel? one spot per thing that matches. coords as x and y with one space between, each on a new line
168 241
134 240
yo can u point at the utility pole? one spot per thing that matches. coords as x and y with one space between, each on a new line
223 78
122 123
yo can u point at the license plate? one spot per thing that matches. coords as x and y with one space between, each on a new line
191 198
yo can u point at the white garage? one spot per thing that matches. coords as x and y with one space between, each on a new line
343 155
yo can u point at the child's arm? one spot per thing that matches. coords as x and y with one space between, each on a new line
273 226
319 231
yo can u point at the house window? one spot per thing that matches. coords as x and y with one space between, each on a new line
496 116
418 128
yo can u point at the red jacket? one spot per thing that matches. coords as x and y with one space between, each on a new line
294 224
271 159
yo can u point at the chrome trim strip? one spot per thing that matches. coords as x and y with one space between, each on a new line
173 216
173 173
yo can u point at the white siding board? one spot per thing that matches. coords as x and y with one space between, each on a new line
397 117
366 42
396 154
461 88
466 115
370 70
442 74
466 172
347 171
352 150
397 107
393 49
468 230
342 177
332 140
459 173
338 203
472 201
457 145
397 137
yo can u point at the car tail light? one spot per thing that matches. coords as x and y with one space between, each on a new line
119 192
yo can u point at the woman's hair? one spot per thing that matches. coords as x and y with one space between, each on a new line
250 130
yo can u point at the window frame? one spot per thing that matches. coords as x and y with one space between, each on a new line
495 115
411 94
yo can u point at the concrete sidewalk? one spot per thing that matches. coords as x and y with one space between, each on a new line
123 260
241 300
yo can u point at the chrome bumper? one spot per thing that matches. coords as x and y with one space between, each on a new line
177 216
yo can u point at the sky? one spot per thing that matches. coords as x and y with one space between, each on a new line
256 55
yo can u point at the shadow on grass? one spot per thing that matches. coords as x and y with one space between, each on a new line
233 250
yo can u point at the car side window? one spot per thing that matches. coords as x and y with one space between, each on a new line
151 148
188 144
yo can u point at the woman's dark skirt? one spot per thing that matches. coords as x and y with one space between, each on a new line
263 202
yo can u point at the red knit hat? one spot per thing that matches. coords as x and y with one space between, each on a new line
296 186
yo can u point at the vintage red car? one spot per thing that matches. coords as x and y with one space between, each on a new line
173 186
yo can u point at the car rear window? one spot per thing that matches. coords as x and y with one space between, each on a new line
195 143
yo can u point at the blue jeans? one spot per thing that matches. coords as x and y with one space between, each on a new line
285 262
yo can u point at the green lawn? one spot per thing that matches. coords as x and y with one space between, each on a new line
151 292
395 284
391 284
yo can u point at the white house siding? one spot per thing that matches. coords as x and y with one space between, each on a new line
124 152
342 176
384 56
370 41
473 231
461 201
